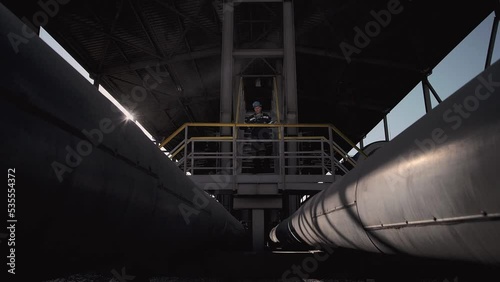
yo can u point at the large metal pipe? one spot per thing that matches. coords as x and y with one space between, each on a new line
433 192
91 187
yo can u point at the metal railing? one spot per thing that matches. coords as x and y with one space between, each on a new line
318 154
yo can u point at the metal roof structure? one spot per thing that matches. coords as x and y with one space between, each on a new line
356 60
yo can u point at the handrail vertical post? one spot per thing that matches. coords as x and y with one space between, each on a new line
322 157
192 157
332 152
282 155
235 150
185 148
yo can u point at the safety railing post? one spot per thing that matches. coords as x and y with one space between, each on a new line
235 150
185 148
282 155
332 152
322 158
192 158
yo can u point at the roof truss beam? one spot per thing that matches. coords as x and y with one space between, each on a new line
174 59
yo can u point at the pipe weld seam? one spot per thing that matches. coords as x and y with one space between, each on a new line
336 209
435 221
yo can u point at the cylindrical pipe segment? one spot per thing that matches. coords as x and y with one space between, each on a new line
433 191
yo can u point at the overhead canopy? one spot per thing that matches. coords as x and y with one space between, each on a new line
356 60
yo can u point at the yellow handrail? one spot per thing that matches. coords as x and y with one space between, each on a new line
329 126
172 136
305 138
178 150
322 138
336 130
214 138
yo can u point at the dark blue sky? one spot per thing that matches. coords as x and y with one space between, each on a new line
465 62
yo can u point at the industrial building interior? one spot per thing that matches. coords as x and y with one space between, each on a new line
96 195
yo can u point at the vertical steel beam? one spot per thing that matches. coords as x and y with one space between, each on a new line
493 36
279 91
226 89
186 137
434 93
427 97
96 83
386 129
332 153
226 96
293 204
258 229
289 62
290 76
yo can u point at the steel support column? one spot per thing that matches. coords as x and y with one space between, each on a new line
226 96
290 76
279 90
433 91
289 62
226 92
293 204
493 37
258 229
96 83
427 96
386 129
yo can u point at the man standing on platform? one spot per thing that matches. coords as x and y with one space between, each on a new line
260 149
